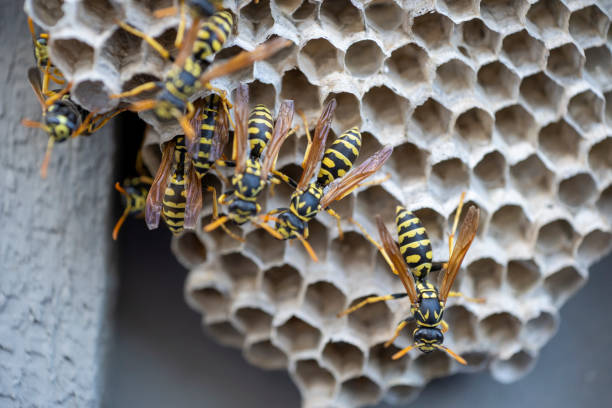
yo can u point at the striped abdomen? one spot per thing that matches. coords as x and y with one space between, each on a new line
212 35
414 243
180 84
260 130
202 162
339 157
174 201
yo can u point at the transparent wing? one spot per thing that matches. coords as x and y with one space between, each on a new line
241 133
35 82
221 135
153 206
193 204
279 134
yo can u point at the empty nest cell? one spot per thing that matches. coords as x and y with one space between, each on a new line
210 301
589 26
383 107
384 15
560 142
491 170
432 118
122 49
99 14
240 269
359 391
262 93
550 17
509 225
475 126
190 249
556 237
324 299
71 55
347 111
92 95
289 6
346 358
462 324
151 6
542 94
408 64
498 82
434 29
305 11
600 158
504 14
223 241
316 379
565 61
266 355
594 246
501 329
599 64
377 201
319 58
402 394
563 283
515 367
433 365
282 283
253 320
455 76
586 109
370 321
516 125
363 58
409 171
354 253
381 361
432 221
577 190
486 276
342 16
263 245
257 18
604 203
48 11
459 9
449 176
525 52
480 39
540 329
295 86
296 335
522 275
226 334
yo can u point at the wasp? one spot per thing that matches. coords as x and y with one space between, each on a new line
134 191
253 170
427 300
62 117
43 62
332 183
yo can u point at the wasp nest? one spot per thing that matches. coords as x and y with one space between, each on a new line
507 100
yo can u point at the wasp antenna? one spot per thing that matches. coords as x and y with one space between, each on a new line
451 353
404 351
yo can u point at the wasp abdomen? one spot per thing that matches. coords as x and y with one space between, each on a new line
414 243
260 127
340 157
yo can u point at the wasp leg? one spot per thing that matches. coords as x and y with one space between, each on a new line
216 215
150 40
372 299
469 299
444 326
147 86
95 126
398 329
285 178
185 122
338 219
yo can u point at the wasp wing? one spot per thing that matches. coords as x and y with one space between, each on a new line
36 83
241 133
279 134
467 233
221 135
317 147
344 186
153 206
193 204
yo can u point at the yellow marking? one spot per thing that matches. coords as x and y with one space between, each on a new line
406 223
414 244
348 145
412 259
328 163
429 255
206 126
341 157
412 233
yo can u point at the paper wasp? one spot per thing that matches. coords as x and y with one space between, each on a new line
62 117
252 171
134 192
43 62
427 301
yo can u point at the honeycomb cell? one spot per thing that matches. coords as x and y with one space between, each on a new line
295 86
224 241
434 29
475 127
324 299
363 58
99 14
450 176
556 237
377 201
72 55
263 245
242 75
210 301
371 320
526 53
122 49
152 5
502 329
586 109
254 320
589 26
594 246
92 94
504 14
315 378
565 61
480 39
475 359
577 190
189 249
563 283
400 394
549 17
139 79
241 270
282 283
509 225
542 94
491 170
600 158
48 11
407 65
540 329
518 365
455 76
342 16
560 142
347 359
522 275
266 355
359 391
486 276
262 93
459 9
296 335
256 19
284 59
432 118
498 82
383 107
384 15
354 253
226 334
318 238
380 360
599 64
516 125
409 171
347 111
305 11
320 58
462 324
608 97
433 365
432 221
289 6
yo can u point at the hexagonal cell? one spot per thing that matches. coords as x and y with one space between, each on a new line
315 378
289 6
556 237
498 82
475 359
594 246
563 283
409 171
455 76
263 245
71 55
266 355
560 142
433 223
510 225
577 190
224 241
565 61
604 203
600 158
324 299
542 94
226 334
383 107
190 249
599 64
152 5
284 59
408 65
210 300
522 275
432 365
402 394
449 176
139 79
282 283
504 14
358 392
354 253
320 58
295 86
501 328
380 359
242 75
296 335
305 11
589 26
462 324
254 320
540 329
384 15
346 358
459 8
486 276
433 28
344 207
586 109
479 38
549 17
341 15
363 58
256 18
532 177
262 93
48 11
371 320
347 112
491 170
515 367
376 200
525 52
92 95
318 238
432 118
475 127
241 270
122 49
99 14
516 125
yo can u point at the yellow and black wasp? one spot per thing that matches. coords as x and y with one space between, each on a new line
134 191
252 171
62 118
43 62
427 301
310 198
